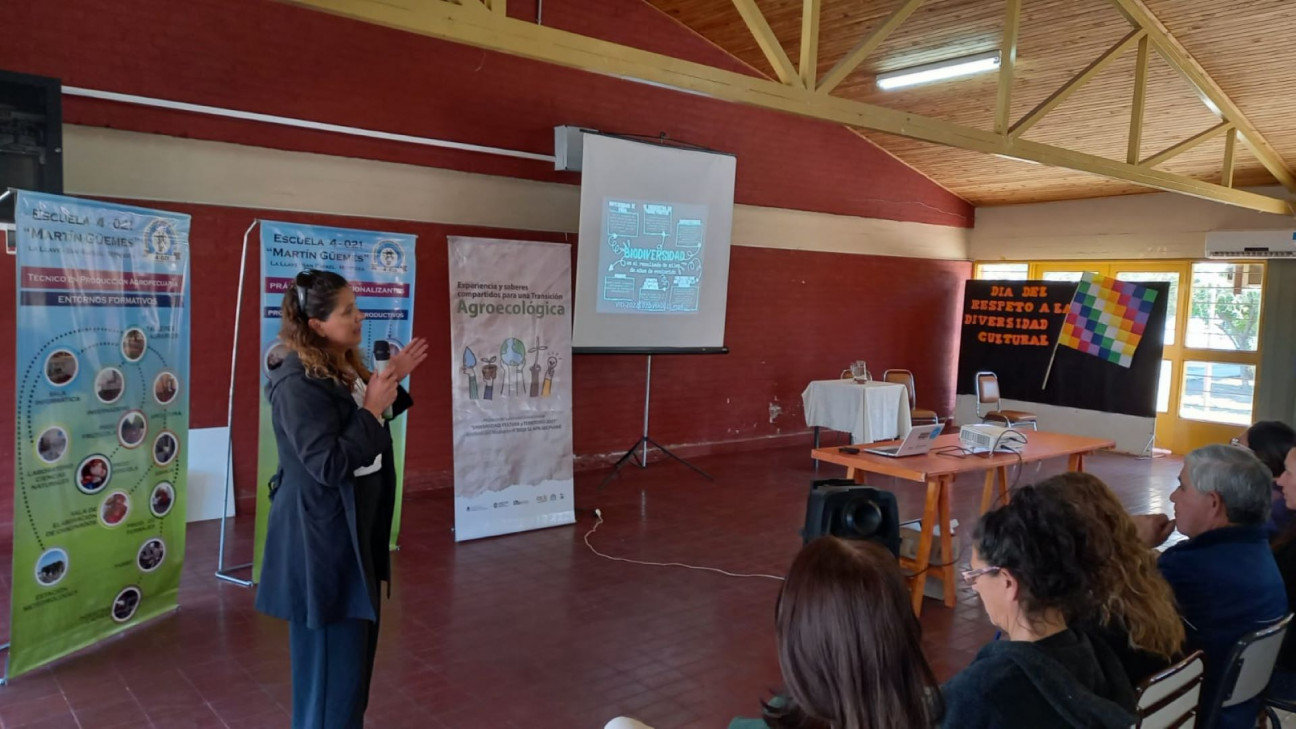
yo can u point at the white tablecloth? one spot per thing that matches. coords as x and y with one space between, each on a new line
869 411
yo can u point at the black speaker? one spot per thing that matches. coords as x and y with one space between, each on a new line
31 136
842 508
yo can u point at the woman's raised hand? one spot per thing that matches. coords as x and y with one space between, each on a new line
408 359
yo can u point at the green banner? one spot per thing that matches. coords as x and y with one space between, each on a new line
102 364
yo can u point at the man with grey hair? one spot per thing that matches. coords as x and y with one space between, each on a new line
1224 576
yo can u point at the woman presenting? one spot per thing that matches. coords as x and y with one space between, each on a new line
326 549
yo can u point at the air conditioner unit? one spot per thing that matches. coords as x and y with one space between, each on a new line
1233 244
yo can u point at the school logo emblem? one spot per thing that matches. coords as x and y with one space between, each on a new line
389 257
160 241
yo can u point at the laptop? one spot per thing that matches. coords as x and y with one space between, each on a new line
918 442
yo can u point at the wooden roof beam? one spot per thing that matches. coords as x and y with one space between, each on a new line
516 37
1179 148
1007 64
865 47
1182 62
809 66
1080 79
1230 141
1135 149
768 42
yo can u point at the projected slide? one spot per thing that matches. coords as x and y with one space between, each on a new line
650 260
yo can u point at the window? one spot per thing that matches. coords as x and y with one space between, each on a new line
1218 392
1172 307
1225 310
1063 275
1163 386
1003 271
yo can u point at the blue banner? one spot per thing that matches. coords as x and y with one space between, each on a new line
102 422
380 269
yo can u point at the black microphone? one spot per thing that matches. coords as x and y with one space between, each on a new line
381 358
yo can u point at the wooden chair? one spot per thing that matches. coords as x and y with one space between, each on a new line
987 391
1168 700
918 416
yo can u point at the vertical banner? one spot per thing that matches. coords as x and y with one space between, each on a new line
102 422
380 268
510 349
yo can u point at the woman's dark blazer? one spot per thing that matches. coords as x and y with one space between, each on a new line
312 571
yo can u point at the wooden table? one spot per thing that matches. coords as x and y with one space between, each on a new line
938 471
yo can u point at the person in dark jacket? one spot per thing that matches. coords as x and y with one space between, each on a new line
1033 567
1270 440
1224 576
1283 685
326 549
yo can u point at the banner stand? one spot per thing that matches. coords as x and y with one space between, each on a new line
223 572
11 248
106 309
509 302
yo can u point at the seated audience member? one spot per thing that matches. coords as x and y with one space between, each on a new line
849 646
1137 617
1033 569
1224 576
1284 548
1270 440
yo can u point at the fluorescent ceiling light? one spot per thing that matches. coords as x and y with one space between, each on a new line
1014 159
939 71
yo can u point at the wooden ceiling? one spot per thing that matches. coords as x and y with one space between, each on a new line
1244 45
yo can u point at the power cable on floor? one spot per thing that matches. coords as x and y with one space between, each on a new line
598 514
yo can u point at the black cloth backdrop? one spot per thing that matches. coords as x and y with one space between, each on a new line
1001 335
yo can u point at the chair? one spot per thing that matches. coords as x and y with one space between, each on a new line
987 392
1248 671
917 416
1168 700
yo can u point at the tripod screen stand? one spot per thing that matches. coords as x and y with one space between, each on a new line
639 451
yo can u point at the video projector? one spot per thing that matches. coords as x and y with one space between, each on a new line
985 438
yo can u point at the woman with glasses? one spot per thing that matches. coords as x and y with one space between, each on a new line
1033 568
326 549
1137 617
1270 440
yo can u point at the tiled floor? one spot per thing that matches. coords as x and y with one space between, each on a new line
530 630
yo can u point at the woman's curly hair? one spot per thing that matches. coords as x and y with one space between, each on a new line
314 295
1133 594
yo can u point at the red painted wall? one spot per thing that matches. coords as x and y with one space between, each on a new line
269 57
793 316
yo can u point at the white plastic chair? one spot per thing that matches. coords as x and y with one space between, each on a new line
1168 700
1249 669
